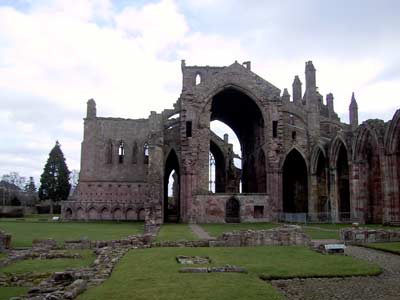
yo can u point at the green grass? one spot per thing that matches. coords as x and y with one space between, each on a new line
24 232
50 265
8 292
218 229
317 234
153 273
389 247
175 232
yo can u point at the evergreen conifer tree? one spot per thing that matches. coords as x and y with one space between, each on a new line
54 182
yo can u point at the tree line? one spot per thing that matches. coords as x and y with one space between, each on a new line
56 180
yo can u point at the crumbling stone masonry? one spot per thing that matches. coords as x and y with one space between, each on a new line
297 157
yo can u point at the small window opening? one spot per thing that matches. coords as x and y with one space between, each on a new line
258 211
274 129
121 152
146 153
188 128
198 79
293 135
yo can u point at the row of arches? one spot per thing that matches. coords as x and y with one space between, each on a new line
357 181
105 213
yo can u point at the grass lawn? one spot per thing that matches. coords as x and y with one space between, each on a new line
50 265
23 232
175 232
8 292
390 247
153 273
218 229
318 234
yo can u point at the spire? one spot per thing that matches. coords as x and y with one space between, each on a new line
353 113
297 94
353 102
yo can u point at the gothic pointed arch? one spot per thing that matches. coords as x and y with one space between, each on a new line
172 200
367 155
295 183
319 169
241 111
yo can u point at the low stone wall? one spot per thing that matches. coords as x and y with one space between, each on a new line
365 235
282 236
5 241
135 241
211 208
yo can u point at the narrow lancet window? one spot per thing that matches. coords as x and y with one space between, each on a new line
121 152
109 152
146 153
134 153
198 79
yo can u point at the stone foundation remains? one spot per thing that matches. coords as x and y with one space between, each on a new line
365 235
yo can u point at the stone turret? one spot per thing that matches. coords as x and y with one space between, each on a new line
297 93
285 96
329 103
91 109
310 76
353 113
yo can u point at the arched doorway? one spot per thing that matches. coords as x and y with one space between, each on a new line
343 184
238 111
232 211
172 188
295 183
68 213
117 214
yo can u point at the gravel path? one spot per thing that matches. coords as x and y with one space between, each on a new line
383 287
199 232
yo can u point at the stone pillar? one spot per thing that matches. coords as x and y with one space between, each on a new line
333 195
155 173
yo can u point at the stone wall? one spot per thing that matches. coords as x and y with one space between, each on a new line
365 235
211 208
282 236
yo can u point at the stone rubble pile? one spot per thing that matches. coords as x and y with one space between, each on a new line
223 269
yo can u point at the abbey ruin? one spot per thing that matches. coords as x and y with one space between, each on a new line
298 161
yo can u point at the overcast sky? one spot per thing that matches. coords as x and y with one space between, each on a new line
55 55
